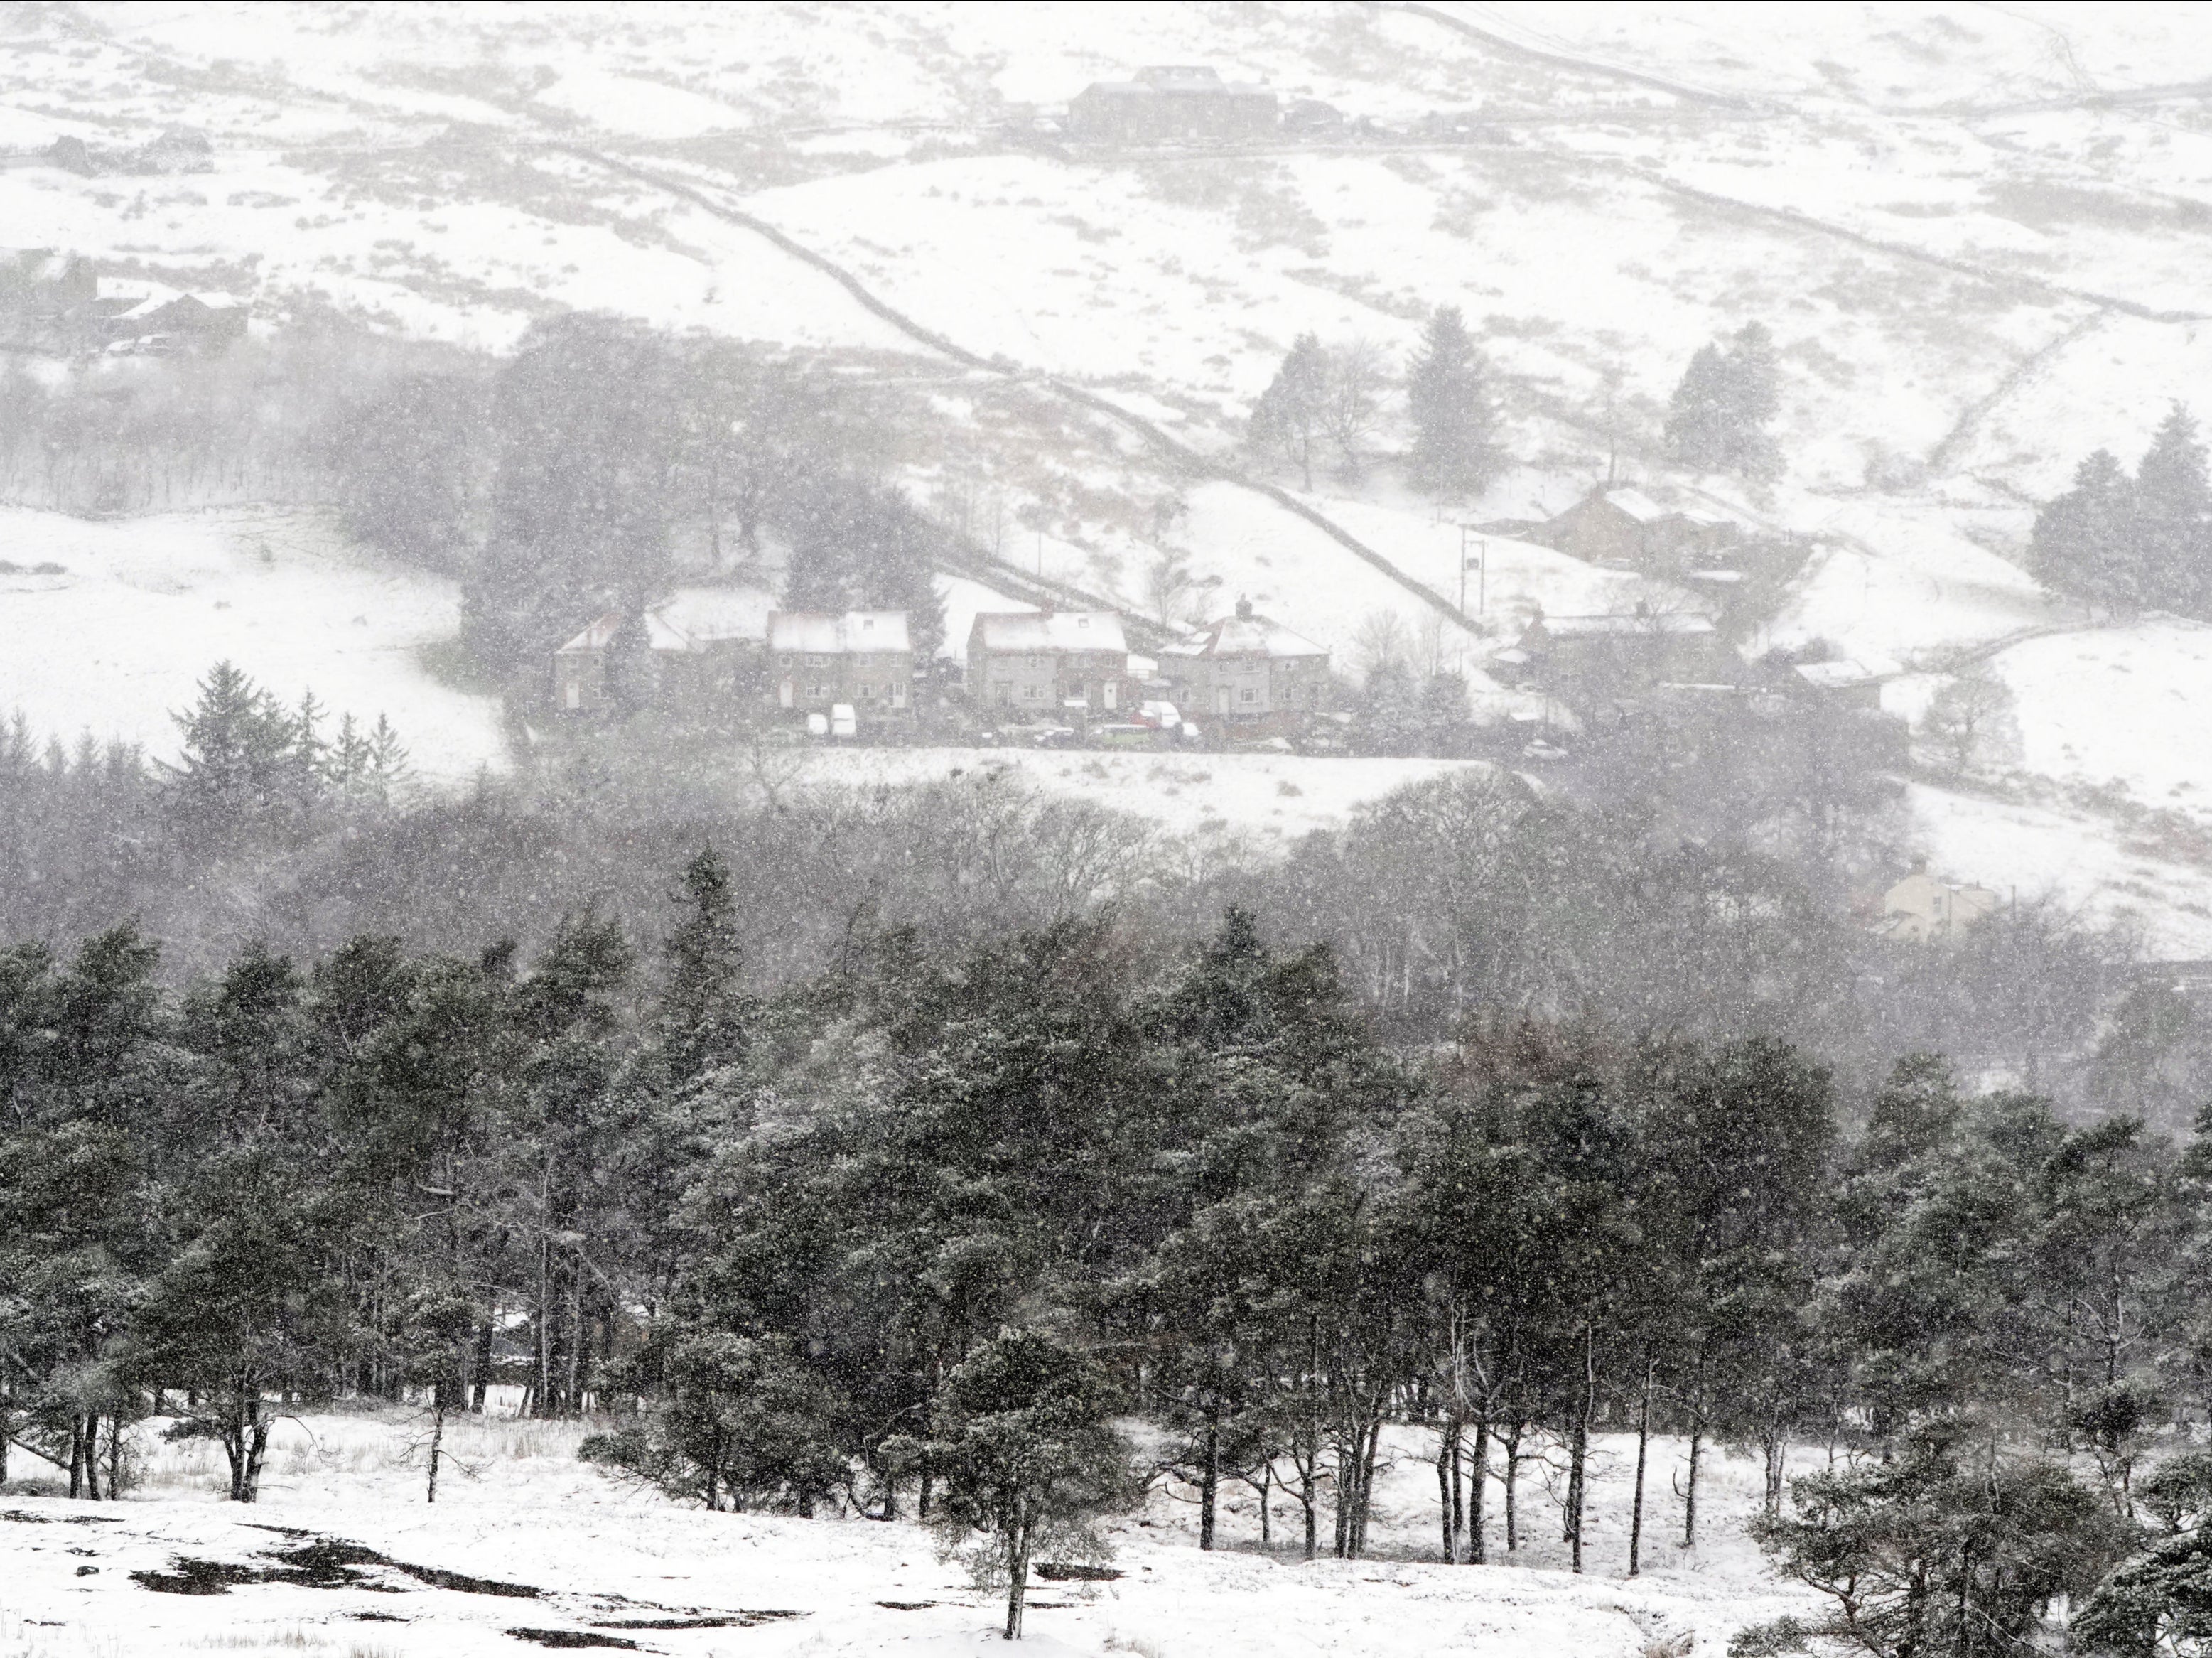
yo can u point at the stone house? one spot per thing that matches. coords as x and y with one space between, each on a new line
862 659
1595 658
1626 528
1921 908
1167 105
1050 665
1249 676
581 682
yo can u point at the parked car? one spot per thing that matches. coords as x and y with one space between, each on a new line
1540 750
1053 737
1126 737
844 724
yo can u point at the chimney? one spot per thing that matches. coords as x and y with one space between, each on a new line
1920 865
1244 609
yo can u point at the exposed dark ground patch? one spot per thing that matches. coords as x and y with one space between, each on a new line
1054 1571
740 1619
324 1563
21 1518
572 1637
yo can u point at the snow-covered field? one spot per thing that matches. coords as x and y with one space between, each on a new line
514 1506
1269 796
116 639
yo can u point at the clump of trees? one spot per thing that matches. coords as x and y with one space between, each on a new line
1718 416
2134 543
1192 1188
1330 399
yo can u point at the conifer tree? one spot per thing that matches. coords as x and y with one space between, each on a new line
1447 396
1291 415
2083 543
2172 561
1717 418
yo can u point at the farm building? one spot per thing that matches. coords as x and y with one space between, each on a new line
1166 105
1626 528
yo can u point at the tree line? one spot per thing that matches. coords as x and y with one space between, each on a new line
912 1235
2139 542
1334 400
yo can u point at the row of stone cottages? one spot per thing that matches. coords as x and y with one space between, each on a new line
1249 676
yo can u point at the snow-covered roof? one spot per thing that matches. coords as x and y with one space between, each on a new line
1637 505
1836 676
1055 630
1246 634
659 635
1671 621
709 615
818 633
37 265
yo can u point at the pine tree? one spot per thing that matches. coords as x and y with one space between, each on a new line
238 769
1717 418
704 1012
586 418
1447 396
2173 544
1292 414
2083 543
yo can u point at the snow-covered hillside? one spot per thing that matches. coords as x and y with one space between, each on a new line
517 1511
1977 234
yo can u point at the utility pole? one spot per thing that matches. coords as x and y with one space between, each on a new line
1482 569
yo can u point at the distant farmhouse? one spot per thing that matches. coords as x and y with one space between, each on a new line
1626 530
1169 106
584 668
861 660
58 302
1597 658
1255 677
1037 664
1840 684
1922 909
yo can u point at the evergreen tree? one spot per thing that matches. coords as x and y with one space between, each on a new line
585 415
1019 1435
1717 419
1447 396
704 1012
2084 540
2172 561
1292 414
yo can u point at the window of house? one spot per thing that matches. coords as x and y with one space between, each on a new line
818 690
1031 693
1248 694
817 661
867 693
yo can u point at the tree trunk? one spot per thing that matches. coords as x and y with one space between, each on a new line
437 1436
77 1455
1209 1488
1366 1483
115 1457
1478 1482
1267 1480
1776 1457
480 1376
1690 1492
1018 1579
1643 1446
1512 1479
1577 1484
1446 1520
